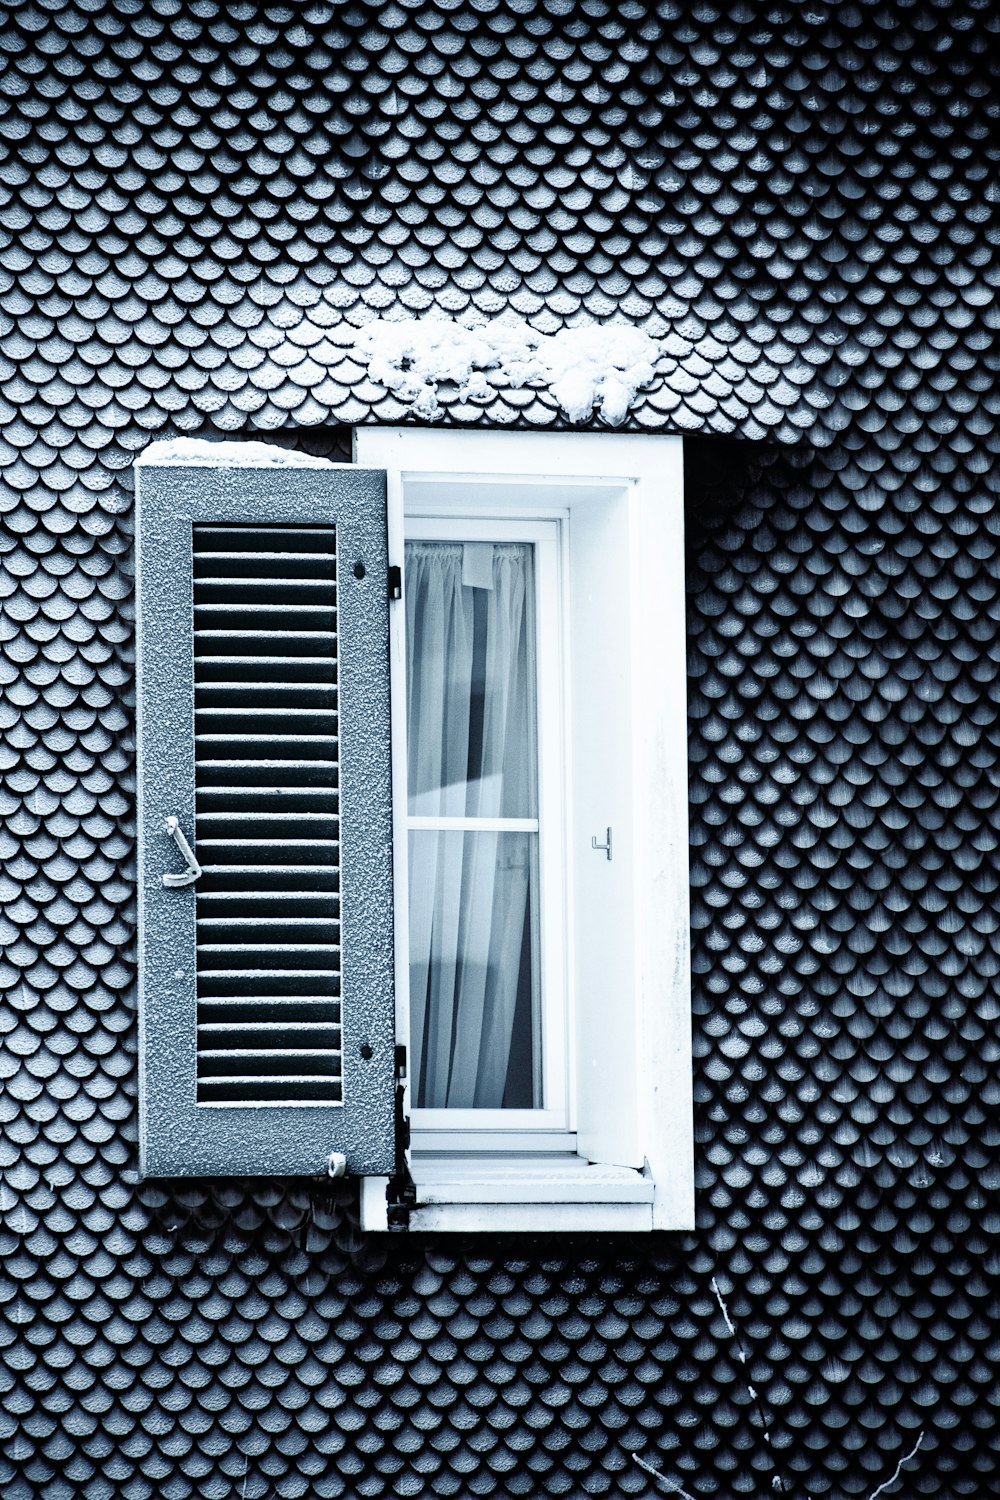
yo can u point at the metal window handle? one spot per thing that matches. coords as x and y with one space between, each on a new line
606 846
193 867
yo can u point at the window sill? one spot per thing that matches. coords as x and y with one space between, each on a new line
475 1193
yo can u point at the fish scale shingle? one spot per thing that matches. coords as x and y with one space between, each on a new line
200 202
739 183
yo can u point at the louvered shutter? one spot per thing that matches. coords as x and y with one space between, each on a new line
265 1000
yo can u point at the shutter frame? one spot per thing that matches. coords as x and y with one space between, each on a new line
178 1136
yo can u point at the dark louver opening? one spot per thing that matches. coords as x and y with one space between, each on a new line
268 817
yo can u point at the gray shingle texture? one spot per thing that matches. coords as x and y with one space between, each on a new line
199 202
206 199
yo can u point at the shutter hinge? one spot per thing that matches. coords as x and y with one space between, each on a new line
395 581
402 1113
401 1194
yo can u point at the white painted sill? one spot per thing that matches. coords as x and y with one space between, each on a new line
486 1193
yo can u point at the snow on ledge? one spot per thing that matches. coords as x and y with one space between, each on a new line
227 455
601 367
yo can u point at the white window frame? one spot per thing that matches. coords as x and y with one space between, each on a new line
639 1069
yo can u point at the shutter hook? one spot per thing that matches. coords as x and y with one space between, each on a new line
605 847
193 867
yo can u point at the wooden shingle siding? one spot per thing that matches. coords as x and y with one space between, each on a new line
199 203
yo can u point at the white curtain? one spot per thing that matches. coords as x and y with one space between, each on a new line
471 755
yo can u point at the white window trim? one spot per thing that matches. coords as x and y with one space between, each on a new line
504 1191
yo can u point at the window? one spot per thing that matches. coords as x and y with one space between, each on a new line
418 870
540 793
485 894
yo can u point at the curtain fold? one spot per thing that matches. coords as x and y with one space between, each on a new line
470 714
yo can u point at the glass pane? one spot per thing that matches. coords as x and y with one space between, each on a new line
474 974
470 679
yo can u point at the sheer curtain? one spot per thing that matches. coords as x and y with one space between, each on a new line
470 711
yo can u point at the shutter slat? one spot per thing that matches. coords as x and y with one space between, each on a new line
229 905
293 746
215 773
267 806
240 984
272 851
280 1060
254 872
261 716
300 1031
219 672
249 1088
310 1009
252 956
286 923
304 644
247 799
307 820
211 538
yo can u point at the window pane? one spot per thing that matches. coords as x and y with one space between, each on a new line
470 679
474 974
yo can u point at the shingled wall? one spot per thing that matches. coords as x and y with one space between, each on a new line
199 202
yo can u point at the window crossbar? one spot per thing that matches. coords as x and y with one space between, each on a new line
480 825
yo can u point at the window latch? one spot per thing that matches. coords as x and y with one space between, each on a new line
606 846
193 870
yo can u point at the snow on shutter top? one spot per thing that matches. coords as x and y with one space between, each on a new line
266 1007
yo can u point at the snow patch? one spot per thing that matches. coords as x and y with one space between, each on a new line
228 455
601 367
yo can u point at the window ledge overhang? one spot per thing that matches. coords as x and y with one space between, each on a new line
536 1218
561 1179
472 1193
